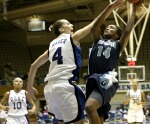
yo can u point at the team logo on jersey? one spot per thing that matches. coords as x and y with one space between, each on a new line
105 81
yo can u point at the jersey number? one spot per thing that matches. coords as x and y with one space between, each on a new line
17 105
105 53
135 101
57 56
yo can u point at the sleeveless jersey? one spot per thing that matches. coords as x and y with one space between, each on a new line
136 99
65 59
104 56
17 103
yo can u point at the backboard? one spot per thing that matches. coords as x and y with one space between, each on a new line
131 72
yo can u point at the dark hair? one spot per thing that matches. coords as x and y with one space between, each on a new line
55 27
119 32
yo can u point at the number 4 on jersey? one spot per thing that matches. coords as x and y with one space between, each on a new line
58 56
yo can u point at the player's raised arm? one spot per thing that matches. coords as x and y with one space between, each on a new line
125 37
100 18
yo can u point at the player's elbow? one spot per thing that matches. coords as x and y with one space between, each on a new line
33 66
95 27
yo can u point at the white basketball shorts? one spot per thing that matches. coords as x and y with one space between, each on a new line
65 100
17 120
135 115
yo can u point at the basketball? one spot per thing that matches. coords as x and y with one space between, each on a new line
134 1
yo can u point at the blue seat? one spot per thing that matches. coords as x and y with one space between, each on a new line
3 82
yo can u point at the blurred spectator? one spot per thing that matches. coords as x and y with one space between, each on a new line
118 114
124 114
148 98
54 120
39 116
148 113
10 74
9 69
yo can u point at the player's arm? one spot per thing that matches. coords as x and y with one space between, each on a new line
3 101
125 37
96 32
30 100
127 99
87 29
32 72
143 98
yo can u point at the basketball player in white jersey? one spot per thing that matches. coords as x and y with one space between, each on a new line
136 100
17 104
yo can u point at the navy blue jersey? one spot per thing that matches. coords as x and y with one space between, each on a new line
104 56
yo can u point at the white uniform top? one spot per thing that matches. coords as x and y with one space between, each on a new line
61 57
17 103
136 98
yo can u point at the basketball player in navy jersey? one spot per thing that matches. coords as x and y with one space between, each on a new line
102 83
64 98
17 104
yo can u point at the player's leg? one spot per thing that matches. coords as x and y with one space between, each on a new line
94 101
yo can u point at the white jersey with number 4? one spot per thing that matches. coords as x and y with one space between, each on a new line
17 103
136 98
62 58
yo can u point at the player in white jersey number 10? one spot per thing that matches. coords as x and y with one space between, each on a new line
18 101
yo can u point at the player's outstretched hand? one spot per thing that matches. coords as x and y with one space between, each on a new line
118 3
30 112
32 92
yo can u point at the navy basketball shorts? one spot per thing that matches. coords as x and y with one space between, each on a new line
106 88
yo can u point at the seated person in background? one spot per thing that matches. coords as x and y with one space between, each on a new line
118 114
